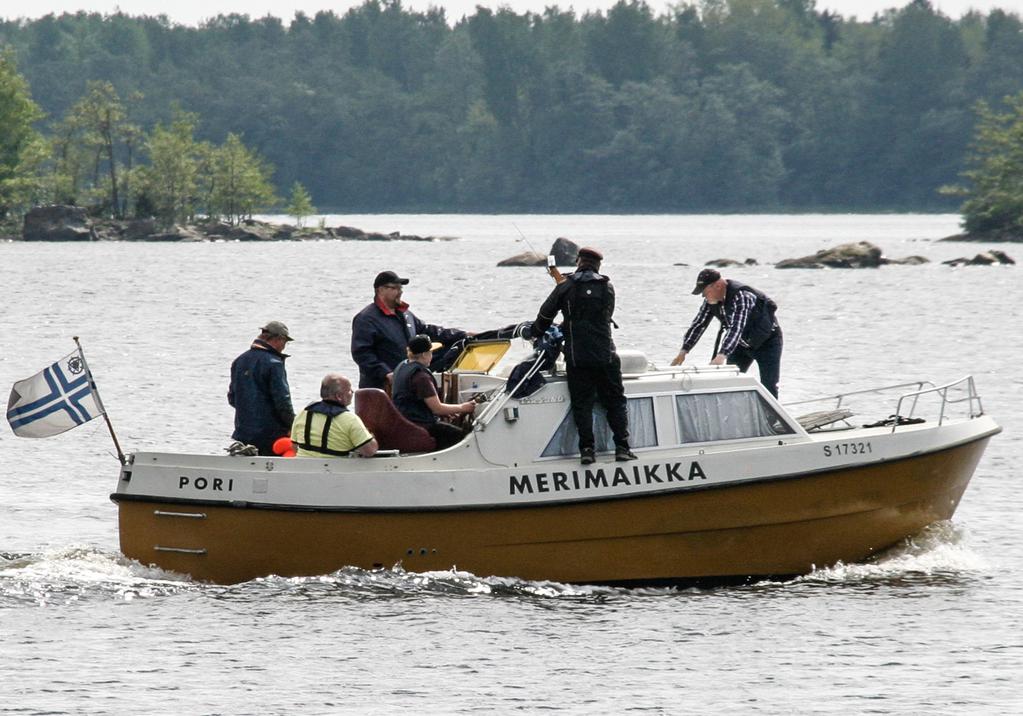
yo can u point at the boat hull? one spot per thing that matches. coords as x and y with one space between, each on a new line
776 527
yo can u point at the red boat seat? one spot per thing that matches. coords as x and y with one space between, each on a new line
392 430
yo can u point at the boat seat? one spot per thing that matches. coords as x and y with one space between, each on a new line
392 430
815 421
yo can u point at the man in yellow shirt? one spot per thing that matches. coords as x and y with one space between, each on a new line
327 428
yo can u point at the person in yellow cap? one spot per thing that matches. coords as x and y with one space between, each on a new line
415 394
327 428
586 299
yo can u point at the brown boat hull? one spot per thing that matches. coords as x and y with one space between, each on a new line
784 526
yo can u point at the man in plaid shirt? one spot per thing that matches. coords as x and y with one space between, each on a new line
749 331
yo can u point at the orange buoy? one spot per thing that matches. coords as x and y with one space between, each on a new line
284 447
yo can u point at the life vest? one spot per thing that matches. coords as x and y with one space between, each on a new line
760 324
404 396
316 441
587 307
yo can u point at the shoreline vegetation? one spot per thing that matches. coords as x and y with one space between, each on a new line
72 224
716 106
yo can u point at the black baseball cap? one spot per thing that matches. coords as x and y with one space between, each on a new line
423 344
706 278
385 277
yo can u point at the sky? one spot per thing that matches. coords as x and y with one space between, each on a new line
191 12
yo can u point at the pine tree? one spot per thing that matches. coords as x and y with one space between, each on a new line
300 205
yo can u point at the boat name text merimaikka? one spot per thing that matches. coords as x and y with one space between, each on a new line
594 479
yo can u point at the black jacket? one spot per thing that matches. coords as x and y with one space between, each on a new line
587 301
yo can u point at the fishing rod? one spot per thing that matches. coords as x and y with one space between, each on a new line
552 268
531 247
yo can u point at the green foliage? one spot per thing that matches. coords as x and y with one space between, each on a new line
717 105
171 180
93 151
300 204
19 142
238 180
994 199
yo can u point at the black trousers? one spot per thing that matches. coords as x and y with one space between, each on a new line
768 358
445 434
588 384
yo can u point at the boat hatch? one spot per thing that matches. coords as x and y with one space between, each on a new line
480 356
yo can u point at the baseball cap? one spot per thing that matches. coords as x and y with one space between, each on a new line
276 328
706 278
385 277
423 344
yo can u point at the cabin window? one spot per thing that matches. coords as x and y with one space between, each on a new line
642 430
704 417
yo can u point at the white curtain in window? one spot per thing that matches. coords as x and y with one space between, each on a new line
642 430
726 416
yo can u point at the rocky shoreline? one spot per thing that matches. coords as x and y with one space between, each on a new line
993 237
72 223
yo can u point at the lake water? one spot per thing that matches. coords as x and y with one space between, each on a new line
933 626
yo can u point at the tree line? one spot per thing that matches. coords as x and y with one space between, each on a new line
717 105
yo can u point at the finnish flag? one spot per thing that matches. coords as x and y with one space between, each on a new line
56 399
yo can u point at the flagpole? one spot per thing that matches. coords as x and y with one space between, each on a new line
99 402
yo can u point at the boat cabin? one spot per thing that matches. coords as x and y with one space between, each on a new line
694 407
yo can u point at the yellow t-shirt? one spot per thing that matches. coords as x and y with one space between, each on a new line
346 433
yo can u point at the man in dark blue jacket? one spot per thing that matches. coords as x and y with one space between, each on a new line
382 330
259 391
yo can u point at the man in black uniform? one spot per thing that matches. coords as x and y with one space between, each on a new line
586 299
749 329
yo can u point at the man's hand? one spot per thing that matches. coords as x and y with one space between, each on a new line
680 358
719 359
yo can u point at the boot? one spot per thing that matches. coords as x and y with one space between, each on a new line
623 453
586 456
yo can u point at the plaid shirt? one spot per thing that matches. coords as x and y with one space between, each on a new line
733 316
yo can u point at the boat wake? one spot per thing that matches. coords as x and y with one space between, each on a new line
937 553
76 574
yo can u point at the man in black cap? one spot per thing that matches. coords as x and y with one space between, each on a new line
586 299
415 394
259 391
382 329
749 330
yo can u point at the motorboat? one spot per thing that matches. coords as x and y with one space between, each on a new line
729 484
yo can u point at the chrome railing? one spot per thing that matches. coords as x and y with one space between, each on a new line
911 400
975 407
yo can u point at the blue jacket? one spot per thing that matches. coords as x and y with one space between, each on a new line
379 340
260 396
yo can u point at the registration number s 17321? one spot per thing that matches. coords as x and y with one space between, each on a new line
855 448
